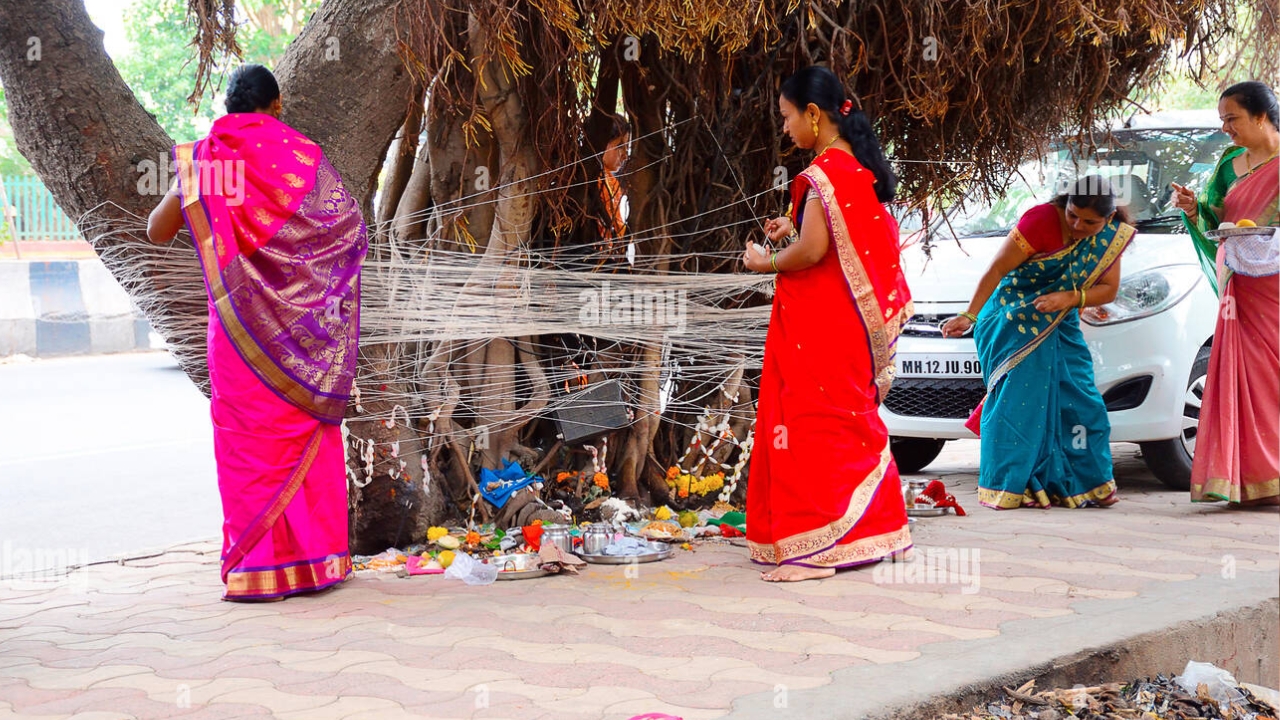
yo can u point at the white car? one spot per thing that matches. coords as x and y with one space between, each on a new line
1150 346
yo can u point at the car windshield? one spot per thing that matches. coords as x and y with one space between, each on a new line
1140 164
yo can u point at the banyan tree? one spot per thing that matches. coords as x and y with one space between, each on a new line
499 323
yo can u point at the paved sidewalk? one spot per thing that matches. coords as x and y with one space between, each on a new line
697 636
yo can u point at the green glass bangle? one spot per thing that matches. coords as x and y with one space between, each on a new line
773 262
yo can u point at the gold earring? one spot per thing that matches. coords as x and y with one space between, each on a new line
813 122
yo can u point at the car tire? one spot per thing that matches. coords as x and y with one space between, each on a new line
913 454
1170 460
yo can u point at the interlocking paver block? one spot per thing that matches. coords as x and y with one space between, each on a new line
687 636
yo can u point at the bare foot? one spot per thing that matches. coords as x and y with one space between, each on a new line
1110 500
905 556
796 573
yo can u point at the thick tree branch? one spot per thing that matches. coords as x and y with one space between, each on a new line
345 86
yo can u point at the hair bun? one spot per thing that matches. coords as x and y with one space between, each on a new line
250 88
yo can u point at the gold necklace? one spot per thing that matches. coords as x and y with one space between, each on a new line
834 140
1251 166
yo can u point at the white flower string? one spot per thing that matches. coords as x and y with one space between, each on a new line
604 453
731 484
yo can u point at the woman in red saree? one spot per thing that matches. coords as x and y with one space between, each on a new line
280 242
823 491
1237 455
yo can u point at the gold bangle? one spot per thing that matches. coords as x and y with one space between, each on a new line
1082 298
969 315
773 261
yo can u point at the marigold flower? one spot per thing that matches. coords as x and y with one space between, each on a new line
601 480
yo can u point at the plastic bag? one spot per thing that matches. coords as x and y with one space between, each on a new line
388 561
470 571
1222 685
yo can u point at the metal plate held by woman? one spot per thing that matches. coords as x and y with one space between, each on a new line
659 553
1261 230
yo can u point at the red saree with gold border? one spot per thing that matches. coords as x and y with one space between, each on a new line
823 489
280 243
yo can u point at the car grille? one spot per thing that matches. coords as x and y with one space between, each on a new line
925 325
935 398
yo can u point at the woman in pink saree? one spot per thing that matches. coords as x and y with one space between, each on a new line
280 242
1237 457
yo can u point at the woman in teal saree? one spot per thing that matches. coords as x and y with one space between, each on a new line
1044 428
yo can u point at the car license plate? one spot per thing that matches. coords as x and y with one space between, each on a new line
939 365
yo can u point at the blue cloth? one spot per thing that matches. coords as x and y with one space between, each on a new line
1045 432
498 487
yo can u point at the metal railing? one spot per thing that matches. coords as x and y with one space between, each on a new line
29 212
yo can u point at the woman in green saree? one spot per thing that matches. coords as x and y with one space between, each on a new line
1044 428
1237 455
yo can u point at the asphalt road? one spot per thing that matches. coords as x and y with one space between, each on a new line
101 457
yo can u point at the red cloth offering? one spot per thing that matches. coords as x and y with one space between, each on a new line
937 492
974 423
533 536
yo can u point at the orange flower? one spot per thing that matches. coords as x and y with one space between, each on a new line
601 480
473 538
673 472
562 477
683 492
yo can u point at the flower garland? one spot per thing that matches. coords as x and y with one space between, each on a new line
598 479
720 430
743 459
686 484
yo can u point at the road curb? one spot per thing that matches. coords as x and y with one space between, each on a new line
53 308
1157 632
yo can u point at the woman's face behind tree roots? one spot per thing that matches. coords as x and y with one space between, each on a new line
616 154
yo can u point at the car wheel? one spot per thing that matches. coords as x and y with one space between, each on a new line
1170 460
913 454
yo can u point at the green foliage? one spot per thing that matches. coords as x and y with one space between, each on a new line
1230 62
160 67
1178 92
11 161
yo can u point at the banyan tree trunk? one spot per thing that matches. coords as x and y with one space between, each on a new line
501 412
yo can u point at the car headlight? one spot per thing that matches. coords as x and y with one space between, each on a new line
1144 294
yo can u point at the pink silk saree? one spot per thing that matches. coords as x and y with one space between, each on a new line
1237 456
280 242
